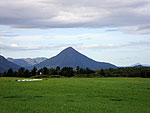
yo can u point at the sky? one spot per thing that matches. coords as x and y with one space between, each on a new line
114 31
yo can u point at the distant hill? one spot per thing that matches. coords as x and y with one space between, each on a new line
140 65
27 62
33 61
5 64
20 62
137 65
71 57
146 65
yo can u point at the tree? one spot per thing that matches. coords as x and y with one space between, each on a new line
89 71
78 69
45 71
82 71
33 71
52 71
27 73
10 73
58 70
67 72
21 72
102 72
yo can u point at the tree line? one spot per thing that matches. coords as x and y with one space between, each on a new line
126 72
79 72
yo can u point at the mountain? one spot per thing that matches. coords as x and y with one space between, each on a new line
71 57
20 62
27 62
140 65
137 65
146 65
33 61
5 65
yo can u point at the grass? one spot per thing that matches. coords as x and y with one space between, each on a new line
75 95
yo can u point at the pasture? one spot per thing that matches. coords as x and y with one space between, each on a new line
75 95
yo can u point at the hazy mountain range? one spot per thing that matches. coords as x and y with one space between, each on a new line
139 65
27 62
67 57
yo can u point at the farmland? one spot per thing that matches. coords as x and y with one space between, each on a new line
75 95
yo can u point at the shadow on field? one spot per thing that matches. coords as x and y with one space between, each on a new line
15 97
116 99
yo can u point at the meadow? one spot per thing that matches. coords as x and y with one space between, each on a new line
75 95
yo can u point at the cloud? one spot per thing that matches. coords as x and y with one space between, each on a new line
98 46
144 29
8 35
75 13
58 37
4 31
111 30
17 47
113 46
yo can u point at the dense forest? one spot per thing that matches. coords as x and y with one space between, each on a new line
78 72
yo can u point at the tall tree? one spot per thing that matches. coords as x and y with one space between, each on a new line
10 73
45 71
27 73
33 71
21 72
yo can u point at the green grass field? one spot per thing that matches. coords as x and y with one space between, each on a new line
75 95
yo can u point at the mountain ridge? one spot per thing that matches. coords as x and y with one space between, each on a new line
71 58
26 62
5 65
19 62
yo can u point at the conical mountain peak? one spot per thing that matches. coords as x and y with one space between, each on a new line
71 58
69 49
